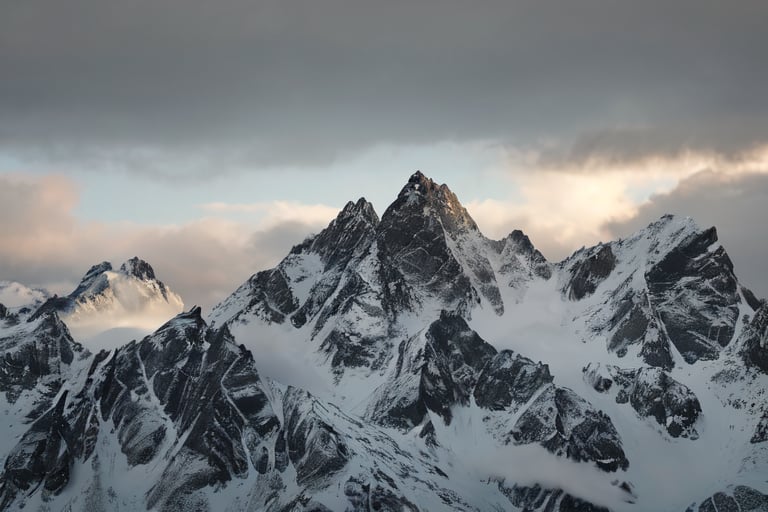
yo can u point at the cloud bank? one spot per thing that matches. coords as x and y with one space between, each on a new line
43 243
180 87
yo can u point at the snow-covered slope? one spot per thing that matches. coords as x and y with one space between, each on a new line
409 363
129 298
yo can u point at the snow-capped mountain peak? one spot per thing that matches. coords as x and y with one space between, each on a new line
130 298
409 363
139 269
421 192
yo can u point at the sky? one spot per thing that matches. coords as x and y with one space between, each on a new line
210 137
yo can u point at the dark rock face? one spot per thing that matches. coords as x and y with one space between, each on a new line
419 239
39 354
363 497
42 456
652 393
347 239
678 290
342 238
90 277
271 297
753 342
537 262
509 380
696 296
349 345
521 262
314 447
736 499
138 268
635 323
590 272
566 425
537 498
761 431
436 375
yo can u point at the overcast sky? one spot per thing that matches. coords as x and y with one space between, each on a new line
208 137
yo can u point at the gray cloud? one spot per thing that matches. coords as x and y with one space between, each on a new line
42 243
272 82
734 204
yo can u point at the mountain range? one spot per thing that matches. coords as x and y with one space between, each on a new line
405 362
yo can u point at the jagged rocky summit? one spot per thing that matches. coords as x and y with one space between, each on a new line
129 297
407 363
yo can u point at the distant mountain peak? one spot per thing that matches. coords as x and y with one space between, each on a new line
418 182
99 268
105 299
138 268
362 208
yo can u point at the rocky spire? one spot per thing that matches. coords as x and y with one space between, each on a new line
421 196
138 268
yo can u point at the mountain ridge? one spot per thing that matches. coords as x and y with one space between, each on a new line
443 371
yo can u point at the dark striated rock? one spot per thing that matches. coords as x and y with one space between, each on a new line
633 323
437 375
761 431
566 425
428 434
751 298
269 294
652 393
463 351
39 457
678 290
589 272
343 237
40 353
510 380
537 498
753 342
271 297
314 447
369 497
696 296
413 247
347 239
749 499
534 260
736 499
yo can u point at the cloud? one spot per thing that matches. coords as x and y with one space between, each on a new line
275 213
565 205
179 87
42 243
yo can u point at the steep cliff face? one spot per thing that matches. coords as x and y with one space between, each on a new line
669 291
